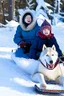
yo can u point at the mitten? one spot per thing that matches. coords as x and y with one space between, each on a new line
27 47
22 44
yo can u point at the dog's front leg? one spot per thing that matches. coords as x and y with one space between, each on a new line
42 81
39 77
60 80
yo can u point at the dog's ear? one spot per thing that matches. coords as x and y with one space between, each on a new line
53 47
44 47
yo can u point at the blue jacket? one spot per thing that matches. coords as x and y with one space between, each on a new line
25 33
27 36
38 44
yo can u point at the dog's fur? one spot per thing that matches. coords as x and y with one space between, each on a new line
49 67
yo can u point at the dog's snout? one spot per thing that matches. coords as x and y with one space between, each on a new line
51 61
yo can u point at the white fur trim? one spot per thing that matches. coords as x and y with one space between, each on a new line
31 26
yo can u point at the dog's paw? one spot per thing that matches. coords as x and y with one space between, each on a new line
42 86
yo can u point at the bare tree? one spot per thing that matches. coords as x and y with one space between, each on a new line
58 3
57 6
30 4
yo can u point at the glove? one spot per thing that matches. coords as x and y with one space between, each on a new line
28 44
22 45
27 47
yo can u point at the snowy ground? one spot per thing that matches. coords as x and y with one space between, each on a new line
13 80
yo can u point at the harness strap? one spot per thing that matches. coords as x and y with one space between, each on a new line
56 63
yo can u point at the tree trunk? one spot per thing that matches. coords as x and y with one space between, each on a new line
11 9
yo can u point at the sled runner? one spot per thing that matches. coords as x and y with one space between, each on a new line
49 91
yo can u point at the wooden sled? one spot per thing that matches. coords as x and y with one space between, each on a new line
49 91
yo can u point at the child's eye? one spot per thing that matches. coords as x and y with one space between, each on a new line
47 55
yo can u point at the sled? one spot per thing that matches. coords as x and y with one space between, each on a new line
49 91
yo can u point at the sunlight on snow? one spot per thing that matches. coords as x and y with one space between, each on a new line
5 52
23 82
8 91
6 49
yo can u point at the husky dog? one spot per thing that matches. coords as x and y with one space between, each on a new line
49 67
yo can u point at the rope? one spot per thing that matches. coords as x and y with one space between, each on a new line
60 60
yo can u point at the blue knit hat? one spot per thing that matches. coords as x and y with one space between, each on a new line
45 24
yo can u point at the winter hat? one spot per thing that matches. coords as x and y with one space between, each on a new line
44 25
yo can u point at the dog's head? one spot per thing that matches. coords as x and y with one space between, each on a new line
49 56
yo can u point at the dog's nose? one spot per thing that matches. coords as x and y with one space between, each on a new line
51 61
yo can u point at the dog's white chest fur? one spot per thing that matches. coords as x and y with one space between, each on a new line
50 74
49 67
49 55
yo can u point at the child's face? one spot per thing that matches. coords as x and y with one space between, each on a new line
46 31
28 19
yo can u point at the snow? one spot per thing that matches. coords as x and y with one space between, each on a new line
41 18
13 80
41 3
58 31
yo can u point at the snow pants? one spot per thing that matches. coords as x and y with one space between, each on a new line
20 52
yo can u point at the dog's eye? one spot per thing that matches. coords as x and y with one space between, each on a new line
52 54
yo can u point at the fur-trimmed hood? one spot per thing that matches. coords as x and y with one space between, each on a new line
31 26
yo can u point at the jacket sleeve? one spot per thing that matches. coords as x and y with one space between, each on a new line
33 50
57 47
18 36
37 29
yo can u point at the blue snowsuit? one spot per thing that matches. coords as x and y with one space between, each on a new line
26 34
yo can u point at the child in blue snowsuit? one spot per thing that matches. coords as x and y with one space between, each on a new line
25 33
46 37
